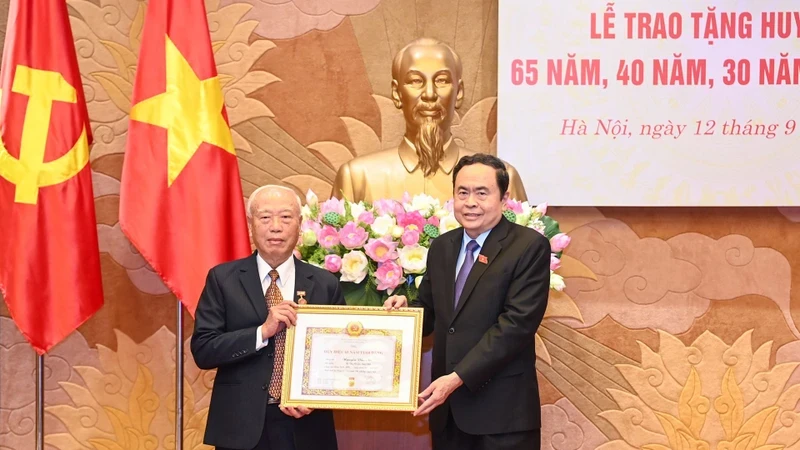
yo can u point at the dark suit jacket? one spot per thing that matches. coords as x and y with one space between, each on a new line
489 339
230 310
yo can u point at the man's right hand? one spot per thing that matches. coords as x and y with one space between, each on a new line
282 315
395 302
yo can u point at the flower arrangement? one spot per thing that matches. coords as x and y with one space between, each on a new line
381 249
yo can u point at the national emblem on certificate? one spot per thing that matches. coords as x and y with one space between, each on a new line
351 357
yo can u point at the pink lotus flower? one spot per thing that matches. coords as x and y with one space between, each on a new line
541 208
389 275
390 207
381 249
297 254
332 205
311 225
559 242
352 236
433 220
412 220
410 237
555 263
333 263
328 237
366 217
406 198
514 206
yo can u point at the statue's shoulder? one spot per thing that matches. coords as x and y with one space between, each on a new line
369 160
512 171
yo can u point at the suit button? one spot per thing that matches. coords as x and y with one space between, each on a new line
233 355
264 387
451 330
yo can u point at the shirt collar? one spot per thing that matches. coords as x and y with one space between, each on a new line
480 239
286 268
410 159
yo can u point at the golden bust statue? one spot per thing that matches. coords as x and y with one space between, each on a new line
427 86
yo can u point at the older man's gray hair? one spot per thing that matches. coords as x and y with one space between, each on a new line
249 208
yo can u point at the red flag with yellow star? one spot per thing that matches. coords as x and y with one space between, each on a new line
49 257
181 199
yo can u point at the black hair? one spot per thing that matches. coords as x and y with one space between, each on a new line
487 160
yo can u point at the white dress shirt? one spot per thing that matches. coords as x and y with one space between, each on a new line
285 283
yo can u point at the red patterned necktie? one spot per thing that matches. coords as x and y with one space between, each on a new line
274 297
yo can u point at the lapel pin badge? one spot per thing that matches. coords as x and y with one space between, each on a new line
302 298
482 259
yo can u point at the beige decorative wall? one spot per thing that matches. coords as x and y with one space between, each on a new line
678 328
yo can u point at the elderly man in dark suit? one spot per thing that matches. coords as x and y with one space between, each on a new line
240 327
484 295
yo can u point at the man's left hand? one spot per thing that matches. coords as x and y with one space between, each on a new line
437 393
296 411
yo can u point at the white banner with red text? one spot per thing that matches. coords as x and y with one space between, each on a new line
651 103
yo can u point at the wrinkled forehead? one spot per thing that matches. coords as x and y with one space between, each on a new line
428 59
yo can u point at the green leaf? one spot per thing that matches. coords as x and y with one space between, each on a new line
424 240
550 227
318 256
410 291
363 294
306 252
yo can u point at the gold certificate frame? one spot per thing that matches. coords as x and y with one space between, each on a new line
353 357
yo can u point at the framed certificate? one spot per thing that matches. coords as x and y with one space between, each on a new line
353 357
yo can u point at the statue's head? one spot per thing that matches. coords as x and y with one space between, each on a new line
427 86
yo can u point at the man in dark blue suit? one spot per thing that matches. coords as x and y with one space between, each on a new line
484 295
240 326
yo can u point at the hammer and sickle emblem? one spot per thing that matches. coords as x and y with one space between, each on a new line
30 172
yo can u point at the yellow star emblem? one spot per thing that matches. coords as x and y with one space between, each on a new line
190 110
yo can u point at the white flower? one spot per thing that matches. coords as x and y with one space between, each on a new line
354 266
383 225
309 238
305 212
418 281
423 203
537 225
311 198
441 212
397 231
448 223
413 258
556 281
356 209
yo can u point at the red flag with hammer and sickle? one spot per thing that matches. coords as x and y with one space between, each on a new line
49 257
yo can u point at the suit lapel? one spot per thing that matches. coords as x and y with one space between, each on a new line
303 281
491 248
248 276
450 259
